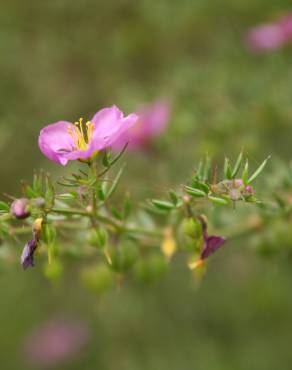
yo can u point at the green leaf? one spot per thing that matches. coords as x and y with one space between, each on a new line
199 172
217 200
116 213
101 190
37 183
150 208
115 182
245 174
173 197
50 191
197 193
207 168
67 196
200 185
258 171
4 207
106 158
227 169
127 207
49 234
237 165
162 204
118 156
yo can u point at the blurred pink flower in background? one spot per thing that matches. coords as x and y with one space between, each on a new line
152 122
270 36
56 341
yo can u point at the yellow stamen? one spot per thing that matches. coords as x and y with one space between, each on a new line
81 134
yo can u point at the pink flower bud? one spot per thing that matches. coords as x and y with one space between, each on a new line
249 189
20 208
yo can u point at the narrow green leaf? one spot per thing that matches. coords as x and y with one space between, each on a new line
127 207
4 207
200 185
245 174
162 204
237 165
37 183
117 214
106 159
199 172
173 197
207 168
195 192
50 191
227 169
115 182
217 200
258 171
29 192
119 155
67 196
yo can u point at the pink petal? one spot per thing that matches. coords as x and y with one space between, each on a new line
109 125
55 141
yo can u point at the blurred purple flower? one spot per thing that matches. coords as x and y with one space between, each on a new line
211 244
27 256
152 122
20 208
270 36
63 141
57 341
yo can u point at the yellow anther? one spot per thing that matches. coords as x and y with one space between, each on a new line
81 133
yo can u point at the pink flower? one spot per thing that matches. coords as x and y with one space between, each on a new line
152 122
286 25
55 342
270 36
63 141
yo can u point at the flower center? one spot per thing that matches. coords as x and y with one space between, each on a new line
81 133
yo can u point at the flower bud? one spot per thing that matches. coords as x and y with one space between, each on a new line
98 278
249 189
192 228
40 202
122 258
20 208
151 268
97 238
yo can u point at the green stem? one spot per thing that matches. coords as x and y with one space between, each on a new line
70 212
78 212
138 230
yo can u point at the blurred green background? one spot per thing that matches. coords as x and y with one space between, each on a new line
64 59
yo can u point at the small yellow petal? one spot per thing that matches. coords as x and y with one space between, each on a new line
195 264
168 246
